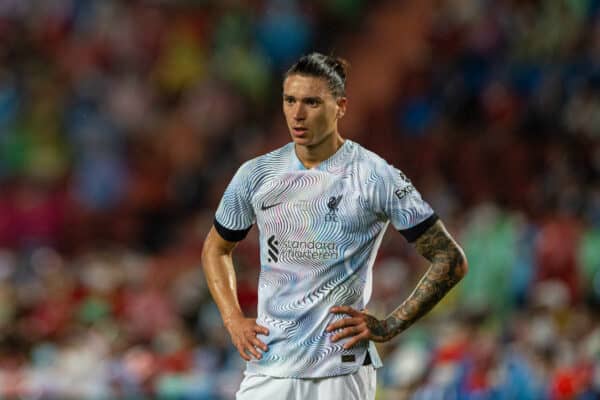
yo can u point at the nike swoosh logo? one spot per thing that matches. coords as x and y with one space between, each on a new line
264 207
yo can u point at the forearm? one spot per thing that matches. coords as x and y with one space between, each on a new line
434 285
221 279
448 267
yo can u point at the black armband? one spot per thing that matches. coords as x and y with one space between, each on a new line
412 234
229 234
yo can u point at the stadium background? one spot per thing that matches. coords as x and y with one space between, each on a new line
121 122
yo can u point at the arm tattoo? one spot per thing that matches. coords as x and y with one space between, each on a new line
448 266
379 329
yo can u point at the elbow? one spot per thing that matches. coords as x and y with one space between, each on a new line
203 256
207 251
463 268
462 265
457 263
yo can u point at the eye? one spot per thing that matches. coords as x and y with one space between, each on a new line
289 100
312 102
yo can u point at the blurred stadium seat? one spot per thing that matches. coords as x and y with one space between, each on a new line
121 122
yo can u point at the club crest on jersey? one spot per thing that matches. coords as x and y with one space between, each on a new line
332 204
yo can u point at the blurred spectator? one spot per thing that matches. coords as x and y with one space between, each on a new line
121 122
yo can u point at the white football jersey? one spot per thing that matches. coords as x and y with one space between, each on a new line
320 230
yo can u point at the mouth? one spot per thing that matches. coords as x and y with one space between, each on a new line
299 130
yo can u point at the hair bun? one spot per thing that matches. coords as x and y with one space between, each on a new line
340 66
332 69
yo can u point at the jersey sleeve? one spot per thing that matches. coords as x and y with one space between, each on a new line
397 200
235 214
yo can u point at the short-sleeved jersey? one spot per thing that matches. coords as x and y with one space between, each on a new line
319 230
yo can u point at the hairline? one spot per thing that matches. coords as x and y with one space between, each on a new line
307 75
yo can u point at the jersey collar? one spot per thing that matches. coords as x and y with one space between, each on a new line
335 158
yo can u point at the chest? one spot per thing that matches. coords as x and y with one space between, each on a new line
311 202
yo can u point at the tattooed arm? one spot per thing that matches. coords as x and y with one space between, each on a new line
448 266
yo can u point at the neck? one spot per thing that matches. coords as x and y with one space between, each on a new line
313 155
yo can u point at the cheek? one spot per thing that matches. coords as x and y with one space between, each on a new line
324 119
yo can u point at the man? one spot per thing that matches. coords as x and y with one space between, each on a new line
322 205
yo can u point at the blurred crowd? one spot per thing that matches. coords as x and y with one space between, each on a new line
121 123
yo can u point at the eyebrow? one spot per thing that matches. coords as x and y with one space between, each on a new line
316 99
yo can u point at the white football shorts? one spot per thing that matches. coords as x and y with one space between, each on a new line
357 386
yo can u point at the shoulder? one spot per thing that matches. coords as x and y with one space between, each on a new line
271 159
368 156
373 164
256 169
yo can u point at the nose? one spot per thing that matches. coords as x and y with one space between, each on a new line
299 112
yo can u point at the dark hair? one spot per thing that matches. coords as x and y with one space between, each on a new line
332 69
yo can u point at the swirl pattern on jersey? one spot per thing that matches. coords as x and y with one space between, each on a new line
319 234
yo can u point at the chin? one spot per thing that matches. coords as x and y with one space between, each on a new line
301 140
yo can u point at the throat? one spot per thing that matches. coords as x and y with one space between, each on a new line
312 156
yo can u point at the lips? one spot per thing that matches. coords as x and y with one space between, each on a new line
299 130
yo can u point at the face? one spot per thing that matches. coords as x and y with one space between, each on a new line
311 111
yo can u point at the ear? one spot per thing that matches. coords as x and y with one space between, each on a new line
341 107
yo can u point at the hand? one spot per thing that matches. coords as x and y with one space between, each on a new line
359 326
243 333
